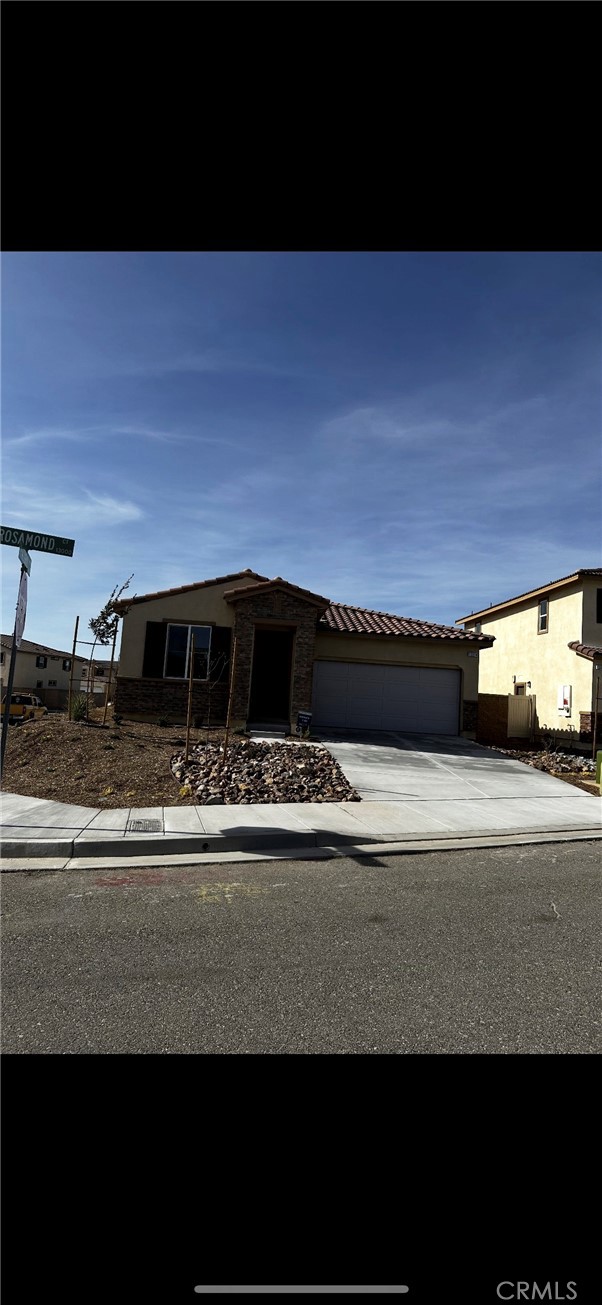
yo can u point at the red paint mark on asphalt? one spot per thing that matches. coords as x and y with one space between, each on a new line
145 878
131 881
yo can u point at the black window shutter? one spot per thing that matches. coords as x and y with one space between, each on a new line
599 607
221 638
154 650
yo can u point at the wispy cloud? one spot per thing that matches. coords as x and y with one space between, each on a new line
422 420
206 362
96 434
79 510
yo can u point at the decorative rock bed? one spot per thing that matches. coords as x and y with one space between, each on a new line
262 772
554 763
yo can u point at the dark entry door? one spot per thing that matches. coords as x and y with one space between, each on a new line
271 675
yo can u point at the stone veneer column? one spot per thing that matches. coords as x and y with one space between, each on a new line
278 608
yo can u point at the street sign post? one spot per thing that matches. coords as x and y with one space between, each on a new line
21 609
23 540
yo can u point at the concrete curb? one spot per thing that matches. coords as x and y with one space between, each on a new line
165 846
326 853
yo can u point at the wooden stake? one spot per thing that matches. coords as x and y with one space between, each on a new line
108 688
229 712
595 722
72 669
189 712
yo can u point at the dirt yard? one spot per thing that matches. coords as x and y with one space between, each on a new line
129 765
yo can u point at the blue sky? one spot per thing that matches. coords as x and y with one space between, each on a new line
413 432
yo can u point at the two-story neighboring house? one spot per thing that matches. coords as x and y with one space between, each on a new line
39 669
548 646
104 677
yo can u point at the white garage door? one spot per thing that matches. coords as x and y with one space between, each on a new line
416 699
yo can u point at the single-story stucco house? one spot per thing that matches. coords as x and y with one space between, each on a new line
287 650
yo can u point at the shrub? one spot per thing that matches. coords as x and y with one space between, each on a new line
79 707
164 722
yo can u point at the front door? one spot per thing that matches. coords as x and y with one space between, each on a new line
271 675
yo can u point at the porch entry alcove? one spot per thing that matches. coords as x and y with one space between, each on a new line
270 696
275 627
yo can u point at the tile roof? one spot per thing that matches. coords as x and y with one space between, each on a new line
531 593
185 589
40 648
585 650
250 591
361 620
338 618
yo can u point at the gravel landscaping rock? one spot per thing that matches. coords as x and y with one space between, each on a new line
257 771
569 766
553 763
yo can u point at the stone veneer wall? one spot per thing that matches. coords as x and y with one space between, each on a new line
154 698
276 607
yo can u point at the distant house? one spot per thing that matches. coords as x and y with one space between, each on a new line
286 650
100 680
548 647
40 669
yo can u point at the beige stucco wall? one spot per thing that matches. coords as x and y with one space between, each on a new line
544 659
411 652
592 632
194 608
27 673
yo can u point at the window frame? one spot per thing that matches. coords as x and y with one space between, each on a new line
543 615
66 663
183 625
41 662
598 606
53 684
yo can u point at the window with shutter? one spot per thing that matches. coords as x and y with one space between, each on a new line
178 648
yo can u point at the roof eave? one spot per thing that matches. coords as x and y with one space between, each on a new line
263 587
124 604
531 593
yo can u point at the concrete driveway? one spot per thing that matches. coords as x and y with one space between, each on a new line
392 767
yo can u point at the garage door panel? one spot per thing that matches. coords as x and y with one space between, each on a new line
422 700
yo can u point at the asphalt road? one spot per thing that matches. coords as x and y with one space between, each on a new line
481 951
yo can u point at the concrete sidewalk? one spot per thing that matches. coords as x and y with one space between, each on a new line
33 828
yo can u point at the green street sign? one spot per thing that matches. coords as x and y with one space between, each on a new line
41 543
